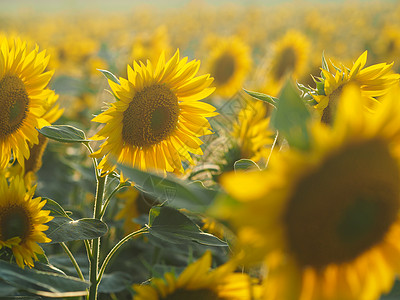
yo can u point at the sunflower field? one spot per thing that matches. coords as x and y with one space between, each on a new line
222 150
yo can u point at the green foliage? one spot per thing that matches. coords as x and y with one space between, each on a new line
263 97
38 282
291 117
109 76
169 224
246 165
178 193
64 133
64 229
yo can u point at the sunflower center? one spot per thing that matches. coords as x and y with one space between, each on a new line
151 117
200 294
285 63
14 222
14 103
224 68
329 111
345 207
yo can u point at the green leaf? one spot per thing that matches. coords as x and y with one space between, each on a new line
42 283
291 116
169 224
114 282
245 164
67 85
177 193
65 229
110 76
263 97
7 289
55 208
64 133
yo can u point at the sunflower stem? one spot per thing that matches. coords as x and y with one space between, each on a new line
103 210
272 149
94 258
115 249
96 171
73 260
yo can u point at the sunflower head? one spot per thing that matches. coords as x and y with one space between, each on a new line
252 133
229 62
22 221
289 58
326 221
23 99
198 281
158 117
373 82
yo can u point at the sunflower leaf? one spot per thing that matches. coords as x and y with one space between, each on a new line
263 97
110 76
291 116
55 208
42 283
115 282
177 193
245 164
169 224
64 133
65 230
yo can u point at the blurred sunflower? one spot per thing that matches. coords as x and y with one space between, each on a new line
158 119
135 204
373 81
327 221
150 46
229 62
251 132
22 221
290 57
23 97
198 281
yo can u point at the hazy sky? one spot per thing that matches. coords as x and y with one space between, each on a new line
7 6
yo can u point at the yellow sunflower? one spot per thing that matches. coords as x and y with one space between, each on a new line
289 58
23 97
252 133
32 164
326 222
158 119
199 281
229 62
374 81
22 221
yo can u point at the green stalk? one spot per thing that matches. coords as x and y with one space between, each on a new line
115 249
73 260
94 258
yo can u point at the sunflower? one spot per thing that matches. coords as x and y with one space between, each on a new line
289 58
373 81
32 164
23 97
22 221
197 282
229 61
326 222
158 119
251 132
